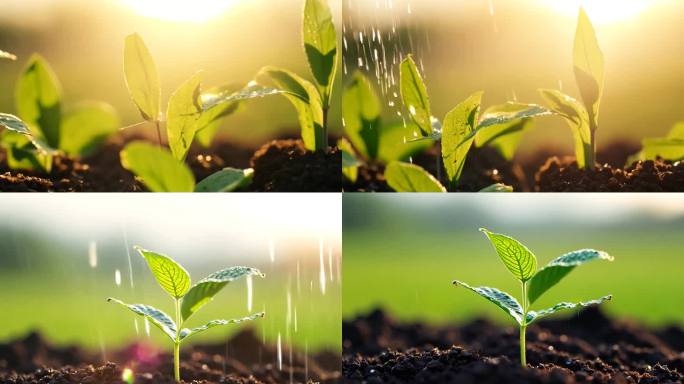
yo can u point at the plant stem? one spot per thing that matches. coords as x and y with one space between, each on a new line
176 344
523 326
158 124
591 160
324 139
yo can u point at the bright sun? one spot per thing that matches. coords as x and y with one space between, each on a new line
181 10
603 11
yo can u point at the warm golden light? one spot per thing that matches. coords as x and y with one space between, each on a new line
181 10
602 12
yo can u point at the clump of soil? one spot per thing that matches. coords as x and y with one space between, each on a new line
563 175
585 348
286 166
244 359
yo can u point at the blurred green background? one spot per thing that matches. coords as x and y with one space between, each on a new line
401 252
230 39
511 48
62 256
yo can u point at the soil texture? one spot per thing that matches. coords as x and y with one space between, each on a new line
243 360
588 347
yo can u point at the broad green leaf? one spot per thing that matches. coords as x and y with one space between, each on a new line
38 100
171 276
350 165
396 142
307 101
185 332
154 315
405 177
535 315
7 55
205 290
459 124
86 127
578 120
14 123
677 132
498 187
320 44
519 260
589 67
227 95
361 113
226 180
211 119
157 168
554 271
22 153
502 299
142 78
666 148
414 95
183 115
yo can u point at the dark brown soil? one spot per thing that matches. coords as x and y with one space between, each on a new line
585 348
242 360
286 166
563 175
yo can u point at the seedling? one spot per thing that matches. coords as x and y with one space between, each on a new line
312 102
670 147
589 70
175 281
522 263
45 130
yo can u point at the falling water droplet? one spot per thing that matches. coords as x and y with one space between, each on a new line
137 329
92 254
295 320
147 327
117 278
330 263
560 85
249 293
280 353
322 270
271 250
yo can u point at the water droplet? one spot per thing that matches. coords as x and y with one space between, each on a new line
271 250
249 293
322 270
280 353
92 254
412 109
147 327
117 278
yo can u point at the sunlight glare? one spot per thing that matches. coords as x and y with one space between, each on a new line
181 10
602 12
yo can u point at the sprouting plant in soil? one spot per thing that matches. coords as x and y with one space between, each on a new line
42 129
191 114
522 263
187 299
312 102
670 147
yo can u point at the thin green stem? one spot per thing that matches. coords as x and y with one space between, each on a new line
324 139
176 344
523 326
158 124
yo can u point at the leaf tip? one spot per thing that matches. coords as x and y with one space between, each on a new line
456 283
605 256
484 230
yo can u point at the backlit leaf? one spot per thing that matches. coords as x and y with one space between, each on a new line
171 276
154 315
158 169
86 127
225 95
498 187
589 67
183 115
350 165
459 124
669 148
578 120
536 315
142 78
38 100
555 270
204 290
211 119
226 180
320 44
414 95
185 332
396 142
519 260
361 114
21 153
14 123
502 299
405 177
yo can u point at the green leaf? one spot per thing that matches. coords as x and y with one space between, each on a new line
498 187
396 142
142 78
154 315
502 299
670 147
205 290
86 127
589 67
677 132
227 95
519 260
459 124
171 276
554 271
14 123
414 95
185 332
320 44
578 120
535 315
307 101
405 177
226 180
350 164
157 168
183 115
7 55
361 113
211 119
22 153
38 100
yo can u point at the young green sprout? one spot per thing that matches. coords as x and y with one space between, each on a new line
522 263
188 300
